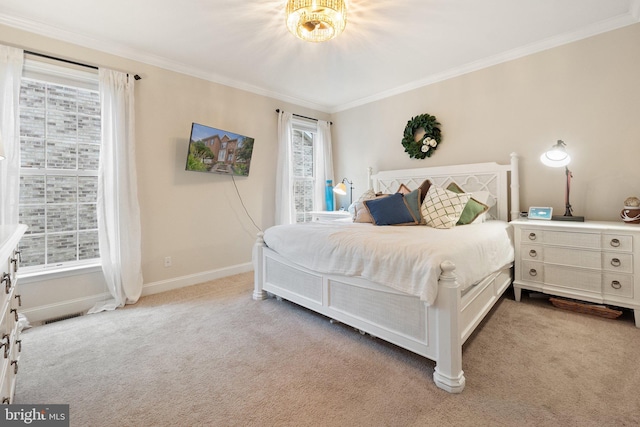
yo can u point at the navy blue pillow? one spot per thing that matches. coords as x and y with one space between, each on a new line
390 210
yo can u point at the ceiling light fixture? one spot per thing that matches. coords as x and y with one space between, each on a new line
316 20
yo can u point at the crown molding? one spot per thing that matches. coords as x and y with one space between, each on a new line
629 18
140 56
632 17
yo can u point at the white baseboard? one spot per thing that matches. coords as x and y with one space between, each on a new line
194 279
38 315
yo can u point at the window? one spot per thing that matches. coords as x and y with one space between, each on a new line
60 150
304 135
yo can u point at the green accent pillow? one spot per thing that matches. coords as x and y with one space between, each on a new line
413 200
472 209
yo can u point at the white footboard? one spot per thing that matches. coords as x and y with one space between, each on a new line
436 332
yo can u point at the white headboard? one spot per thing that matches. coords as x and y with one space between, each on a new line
501 181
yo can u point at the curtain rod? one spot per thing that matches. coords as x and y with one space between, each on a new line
42 55
304 117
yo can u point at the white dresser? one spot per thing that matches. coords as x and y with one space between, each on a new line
10 344
593 261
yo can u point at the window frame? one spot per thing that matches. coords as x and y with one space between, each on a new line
311 127
51 73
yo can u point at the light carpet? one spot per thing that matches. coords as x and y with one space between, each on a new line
208 355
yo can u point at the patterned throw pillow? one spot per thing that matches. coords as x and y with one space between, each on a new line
442 208
472 210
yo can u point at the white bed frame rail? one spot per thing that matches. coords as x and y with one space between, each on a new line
436 332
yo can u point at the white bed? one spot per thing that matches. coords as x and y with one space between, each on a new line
430 319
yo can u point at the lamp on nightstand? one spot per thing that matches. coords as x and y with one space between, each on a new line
558 157
341 189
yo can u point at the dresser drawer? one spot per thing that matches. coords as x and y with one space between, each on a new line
573 257
617 284
622 263
532 271
532 252
530 236
617 242
576 240
574 278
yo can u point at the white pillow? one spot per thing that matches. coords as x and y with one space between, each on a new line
442 208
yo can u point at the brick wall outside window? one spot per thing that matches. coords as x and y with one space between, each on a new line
303 181
60 150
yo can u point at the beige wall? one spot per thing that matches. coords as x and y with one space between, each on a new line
195 218
586 93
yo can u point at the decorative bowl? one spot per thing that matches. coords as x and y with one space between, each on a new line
630 215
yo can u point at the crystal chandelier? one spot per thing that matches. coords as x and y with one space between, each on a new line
316 20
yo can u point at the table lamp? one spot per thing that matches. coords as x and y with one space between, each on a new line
341 189
558 157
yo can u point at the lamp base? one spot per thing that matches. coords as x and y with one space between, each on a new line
567 218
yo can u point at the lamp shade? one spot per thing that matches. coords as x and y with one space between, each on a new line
340 189
316 20
557 156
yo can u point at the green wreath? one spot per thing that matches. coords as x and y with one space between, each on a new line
427 144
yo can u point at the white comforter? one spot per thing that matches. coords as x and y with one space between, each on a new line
406 258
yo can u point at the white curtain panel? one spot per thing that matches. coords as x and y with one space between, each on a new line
285 210
323 163
11 61
118 209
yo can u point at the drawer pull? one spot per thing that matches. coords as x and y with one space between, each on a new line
6 345
616 285
19 342
6 279
533 253
19 298
533 272
15 366
615 262
6 401
15 313
615 243
532 236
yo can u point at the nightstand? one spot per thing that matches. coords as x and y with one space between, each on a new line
329 215
595 261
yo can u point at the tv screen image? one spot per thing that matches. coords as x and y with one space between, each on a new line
218 151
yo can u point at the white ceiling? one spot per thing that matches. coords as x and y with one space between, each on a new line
387 47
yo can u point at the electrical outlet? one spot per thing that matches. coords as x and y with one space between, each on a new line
167 261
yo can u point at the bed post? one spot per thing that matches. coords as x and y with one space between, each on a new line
448 374
515 188
258 272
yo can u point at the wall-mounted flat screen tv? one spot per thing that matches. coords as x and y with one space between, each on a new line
218 151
